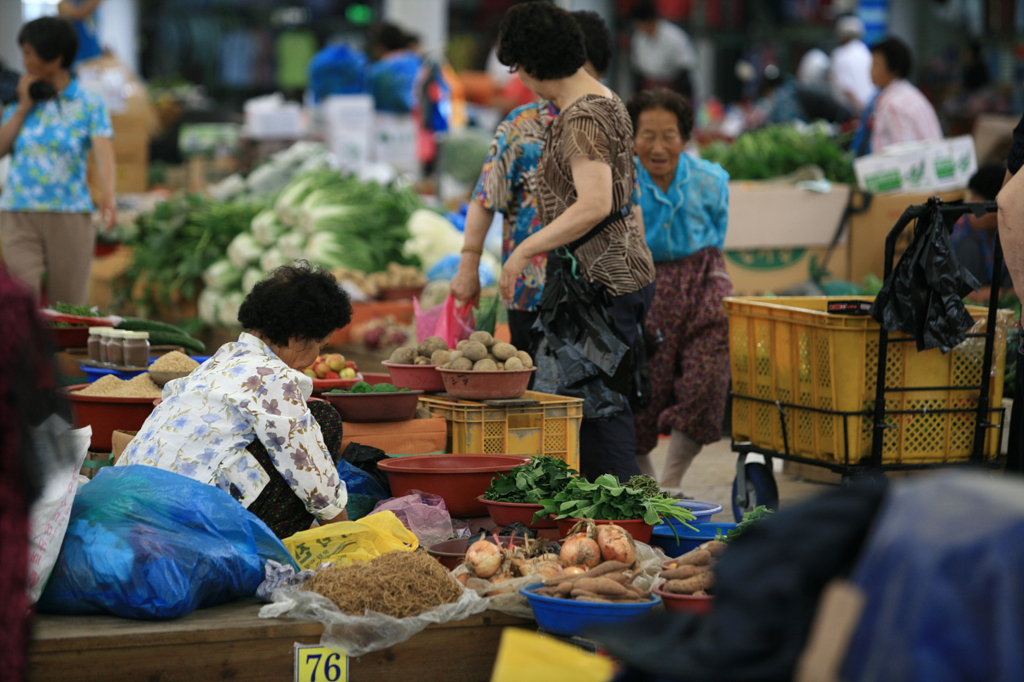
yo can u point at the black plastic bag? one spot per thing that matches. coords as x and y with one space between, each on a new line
365 457
593 363
923 295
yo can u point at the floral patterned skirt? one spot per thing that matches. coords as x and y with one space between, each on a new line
690 371
277 505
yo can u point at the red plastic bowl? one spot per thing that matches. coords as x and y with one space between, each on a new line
451 553
638 528
500 385
417 377
70 337
697 604
504 513
321 386
107 414
459 479
375 407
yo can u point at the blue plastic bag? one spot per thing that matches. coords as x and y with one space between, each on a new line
151 544
448 266
337 69
363 491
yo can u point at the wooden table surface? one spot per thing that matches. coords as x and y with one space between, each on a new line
231 642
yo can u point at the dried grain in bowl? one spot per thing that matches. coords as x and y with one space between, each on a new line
175 361
140 386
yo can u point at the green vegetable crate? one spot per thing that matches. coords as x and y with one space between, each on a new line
551 426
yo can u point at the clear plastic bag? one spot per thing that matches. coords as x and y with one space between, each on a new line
423 513
358 635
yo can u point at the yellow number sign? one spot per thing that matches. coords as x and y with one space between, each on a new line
320 664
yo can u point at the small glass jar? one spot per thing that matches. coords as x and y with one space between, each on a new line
136 349
95 343
115 347
104 341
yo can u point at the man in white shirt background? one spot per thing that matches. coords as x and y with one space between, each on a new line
851 65
661 53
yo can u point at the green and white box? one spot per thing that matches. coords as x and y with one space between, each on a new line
937 166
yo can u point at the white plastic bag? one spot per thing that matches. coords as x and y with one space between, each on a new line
358 635
48 518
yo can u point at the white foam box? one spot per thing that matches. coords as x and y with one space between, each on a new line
348 129
937 166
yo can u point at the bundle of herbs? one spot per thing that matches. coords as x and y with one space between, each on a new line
607 498
779 150
531 483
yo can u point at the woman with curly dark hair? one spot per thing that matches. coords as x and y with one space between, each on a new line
241 420
591 231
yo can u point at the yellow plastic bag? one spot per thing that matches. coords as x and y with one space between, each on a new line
350 541
525 655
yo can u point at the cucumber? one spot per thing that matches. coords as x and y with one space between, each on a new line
162 338
138 324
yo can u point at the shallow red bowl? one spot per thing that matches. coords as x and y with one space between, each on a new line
689 603
499 385
70 337
375 407
504 513
638 528
419 377
459 479
107 414
451 553
321 386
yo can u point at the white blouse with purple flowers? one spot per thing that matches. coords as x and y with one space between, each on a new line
207 419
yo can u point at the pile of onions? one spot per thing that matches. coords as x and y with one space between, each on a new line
616 544
580 550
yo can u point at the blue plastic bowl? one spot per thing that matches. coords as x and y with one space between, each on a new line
203 358
703 511
688 539
96 373
569 617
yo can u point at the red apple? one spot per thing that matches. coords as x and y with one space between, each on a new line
332 375
351 365
321 369
336 361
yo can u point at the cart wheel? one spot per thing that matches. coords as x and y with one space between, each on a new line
761 490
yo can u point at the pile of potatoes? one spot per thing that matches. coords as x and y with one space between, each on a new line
480 352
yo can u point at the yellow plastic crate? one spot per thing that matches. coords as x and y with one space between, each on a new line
792 351
550 428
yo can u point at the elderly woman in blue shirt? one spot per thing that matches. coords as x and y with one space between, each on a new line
45 209
685 204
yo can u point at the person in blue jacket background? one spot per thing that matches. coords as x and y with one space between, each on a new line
685 203
82 15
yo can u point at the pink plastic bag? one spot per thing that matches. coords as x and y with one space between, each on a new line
424 514
451 322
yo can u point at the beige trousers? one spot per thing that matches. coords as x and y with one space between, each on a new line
59 244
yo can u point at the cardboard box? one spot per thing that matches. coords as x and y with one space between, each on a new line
755 272
415 437
870 225
774 215
94 461
993 136
106 269
348 128
935 166
119 441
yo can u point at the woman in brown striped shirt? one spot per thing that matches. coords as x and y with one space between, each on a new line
584 197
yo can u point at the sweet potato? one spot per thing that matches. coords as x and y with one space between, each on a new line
697 557
588 598
603 587
715 548
703 581
684 572
596 572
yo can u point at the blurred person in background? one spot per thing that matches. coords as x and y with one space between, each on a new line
685 204
661 53
395 67
82 15
45 208
974 239
851 65
900 112
507 185
591 230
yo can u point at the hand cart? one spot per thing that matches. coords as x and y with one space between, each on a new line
805 388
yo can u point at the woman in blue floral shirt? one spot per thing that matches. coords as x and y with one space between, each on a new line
45 209
241 420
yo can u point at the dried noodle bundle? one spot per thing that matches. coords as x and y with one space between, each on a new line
397 584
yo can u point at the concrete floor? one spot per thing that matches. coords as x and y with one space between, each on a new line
711 475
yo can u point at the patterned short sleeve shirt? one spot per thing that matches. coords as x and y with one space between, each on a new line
507 185
48 161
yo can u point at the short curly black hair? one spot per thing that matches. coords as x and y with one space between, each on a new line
662 98
51 38
543 40
897 56
298 301
597 39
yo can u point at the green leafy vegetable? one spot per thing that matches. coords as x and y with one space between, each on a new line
72 309
531 483
608 499
780 150
362 387
750 518
645 484
384 388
